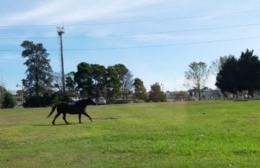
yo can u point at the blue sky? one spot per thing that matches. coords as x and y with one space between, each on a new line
155 39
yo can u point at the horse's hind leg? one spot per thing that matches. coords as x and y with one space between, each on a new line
64 118
80 118
56 116
86 114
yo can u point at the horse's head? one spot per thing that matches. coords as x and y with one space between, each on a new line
91 101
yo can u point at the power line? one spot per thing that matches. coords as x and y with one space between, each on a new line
166 45
149 46
141 33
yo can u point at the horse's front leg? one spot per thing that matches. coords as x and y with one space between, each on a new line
86 114
56 116
64 118
80 118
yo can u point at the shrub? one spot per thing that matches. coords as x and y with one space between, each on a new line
8 101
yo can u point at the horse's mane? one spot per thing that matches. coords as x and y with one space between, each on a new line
79 102
83 102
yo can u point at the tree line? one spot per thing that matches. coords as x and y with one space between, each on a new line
98 81
234 76
115 83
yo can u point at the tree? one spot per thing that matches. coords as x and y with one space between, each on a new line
156 95
238 76
126 80
249 72
96 81
227 78
139 90
39 72
38 83
71 85
113 84
90 79
98 75
127 85
2 93
119 82
216 65
198 76
83 78
8 100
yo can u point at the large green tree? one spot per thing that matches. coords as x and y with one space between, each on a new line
239 75
156 94
126 80
139 90
197 75
249 71
39 72
96 81
90 79
227 78
98 75
84 79
113 84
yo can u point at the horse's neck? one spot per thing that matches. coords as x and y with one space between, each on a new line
80 104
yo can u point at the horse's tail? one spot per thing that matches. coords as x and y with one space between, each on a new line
52 110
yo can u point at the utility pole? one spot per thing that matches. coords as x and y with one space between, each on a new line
60 31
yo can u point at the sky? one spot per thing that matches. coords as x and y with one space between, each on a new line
155 39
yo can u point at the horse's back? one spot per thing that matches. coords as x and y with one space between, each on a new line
69 108
62 107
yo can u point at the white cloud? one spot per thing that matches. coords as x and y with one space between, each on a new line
74 11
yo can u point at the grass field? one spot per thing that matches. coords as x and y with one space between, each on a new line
184 134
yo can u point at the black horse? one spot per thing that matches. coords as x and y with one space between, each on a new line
75 108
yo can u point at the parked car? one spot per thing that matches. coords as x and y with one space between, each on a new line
101 101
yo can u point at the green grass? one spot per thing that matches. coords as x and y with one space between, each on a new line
185 134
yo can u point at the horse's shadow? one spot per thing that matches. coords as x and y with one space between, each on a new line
109 118
64 124
49 125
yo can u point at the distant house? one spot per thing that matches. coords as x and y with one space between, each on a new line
19 98
206 94
177 96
